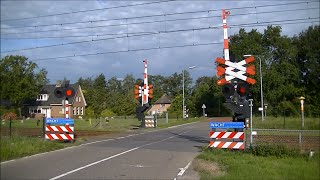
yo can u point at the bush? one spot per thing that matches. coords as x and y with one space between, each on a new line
274 150
107 113
9 115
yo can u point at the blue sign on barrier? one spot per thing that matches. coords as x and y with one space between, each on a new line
59 121
226 125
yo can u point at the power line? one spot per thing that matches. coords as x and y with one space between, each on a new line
148 16
145 22
126 36
73 12
129 50
165 32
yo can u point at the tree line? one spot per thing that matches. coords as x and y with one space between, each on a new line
290 69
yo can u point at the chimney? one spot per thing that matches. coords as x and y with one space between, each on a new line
58 84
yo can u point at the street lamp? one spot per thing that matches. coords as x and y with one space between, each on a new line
183 100
261 91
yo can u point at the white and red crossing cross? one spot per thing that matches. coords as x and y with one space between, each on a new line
235 70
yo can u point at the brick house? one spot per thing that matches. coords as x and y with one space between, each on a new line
48 105
160 106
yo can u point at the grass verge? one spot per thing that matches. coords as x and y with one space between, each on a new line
17 146
286 123
229 164
174 122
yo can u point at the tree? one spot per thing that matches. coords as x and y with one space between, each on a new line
21 80
308 62
99 94
207 92
279 70
175 109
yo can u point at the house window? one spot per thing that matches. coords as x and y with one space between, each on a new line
74 111
162 105
35 110
78 99
42 97
78 110
81 110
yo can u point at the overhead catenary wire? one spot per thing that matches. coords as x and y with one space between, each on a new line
148 16
129 50
231 26
136 23
136 34
83 11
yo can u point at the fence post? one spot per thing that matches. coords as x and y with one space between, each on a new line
250 100
167 118
10 126
43 128
300 140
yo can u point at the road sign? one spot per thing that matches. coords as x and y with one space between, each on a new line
226 125
203 110
59 121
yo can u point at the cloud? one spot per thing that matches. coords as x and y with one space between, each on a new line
161 61
116 65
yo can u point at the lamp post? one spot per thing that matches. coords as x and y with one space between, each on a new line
183 100
261 91
302 111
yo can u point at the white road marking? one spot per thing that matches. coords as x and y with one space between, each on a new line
111 157
182 125
139 166
182 170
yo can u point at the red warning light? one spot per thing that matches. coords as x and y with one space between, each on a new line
242 90
69 92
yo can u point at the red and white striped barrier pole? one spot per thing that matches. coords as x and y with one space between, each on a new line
67 108
226 38
145 84
225 34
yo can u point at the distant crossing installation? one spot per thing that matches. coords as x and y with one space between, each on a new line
143 93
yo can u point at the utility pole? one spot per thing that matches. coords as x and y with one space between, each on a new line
183 98
261 91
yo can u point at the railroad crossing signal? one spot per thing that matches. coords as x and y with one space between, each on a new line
150 91
137 91
233 70
144 93
67 92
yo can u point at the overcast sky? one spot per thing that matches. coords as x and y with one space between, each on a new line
161 29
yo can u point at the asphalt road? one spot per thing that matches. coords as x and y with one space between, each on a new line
159 154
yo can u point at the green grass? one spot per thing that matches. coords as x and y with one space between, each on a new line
17 146
243 165
31 123
112 125
285 123
173 122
